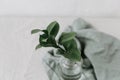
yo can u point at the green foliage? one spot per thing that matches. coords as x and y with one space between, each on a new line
66 43
66 37
70 44
35 31
72 50
53 28
73 54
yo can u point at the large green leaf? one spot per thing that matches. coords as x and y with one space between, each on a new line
71 44
73 54
66 37
53 28
35 31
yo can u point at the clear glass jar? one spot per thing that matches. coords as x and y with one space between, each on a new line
70 70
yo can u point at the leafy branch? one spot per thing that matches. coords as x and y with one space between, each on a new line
66 43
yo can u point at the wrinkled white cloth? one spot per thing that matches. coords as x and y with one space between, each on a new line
100 49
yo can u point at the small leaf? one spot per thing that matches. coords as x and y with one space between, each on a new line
45 44
51 40
35 31
53 28
43 38
46 41
66 37
38 46
45 31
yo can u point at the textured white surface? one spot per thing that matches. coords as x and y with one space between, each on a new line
104 8
17 54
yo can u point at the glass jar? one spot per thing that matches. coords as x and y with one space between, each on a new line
70 70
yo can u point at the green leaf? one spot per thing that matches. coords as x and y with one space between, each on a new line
73 54
43 38
45 32
53 28
76 55
46 41
71 44
66 37
35 31
45 44
38 30
38 46
51 40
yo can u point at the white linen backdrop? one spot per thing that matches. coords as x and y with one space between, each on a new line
17 54
101 8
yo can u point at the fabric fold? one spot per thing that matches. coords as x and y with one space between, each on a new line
100 52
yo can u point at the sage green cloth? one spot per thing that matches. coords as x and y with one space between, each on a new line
52 68
101 50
